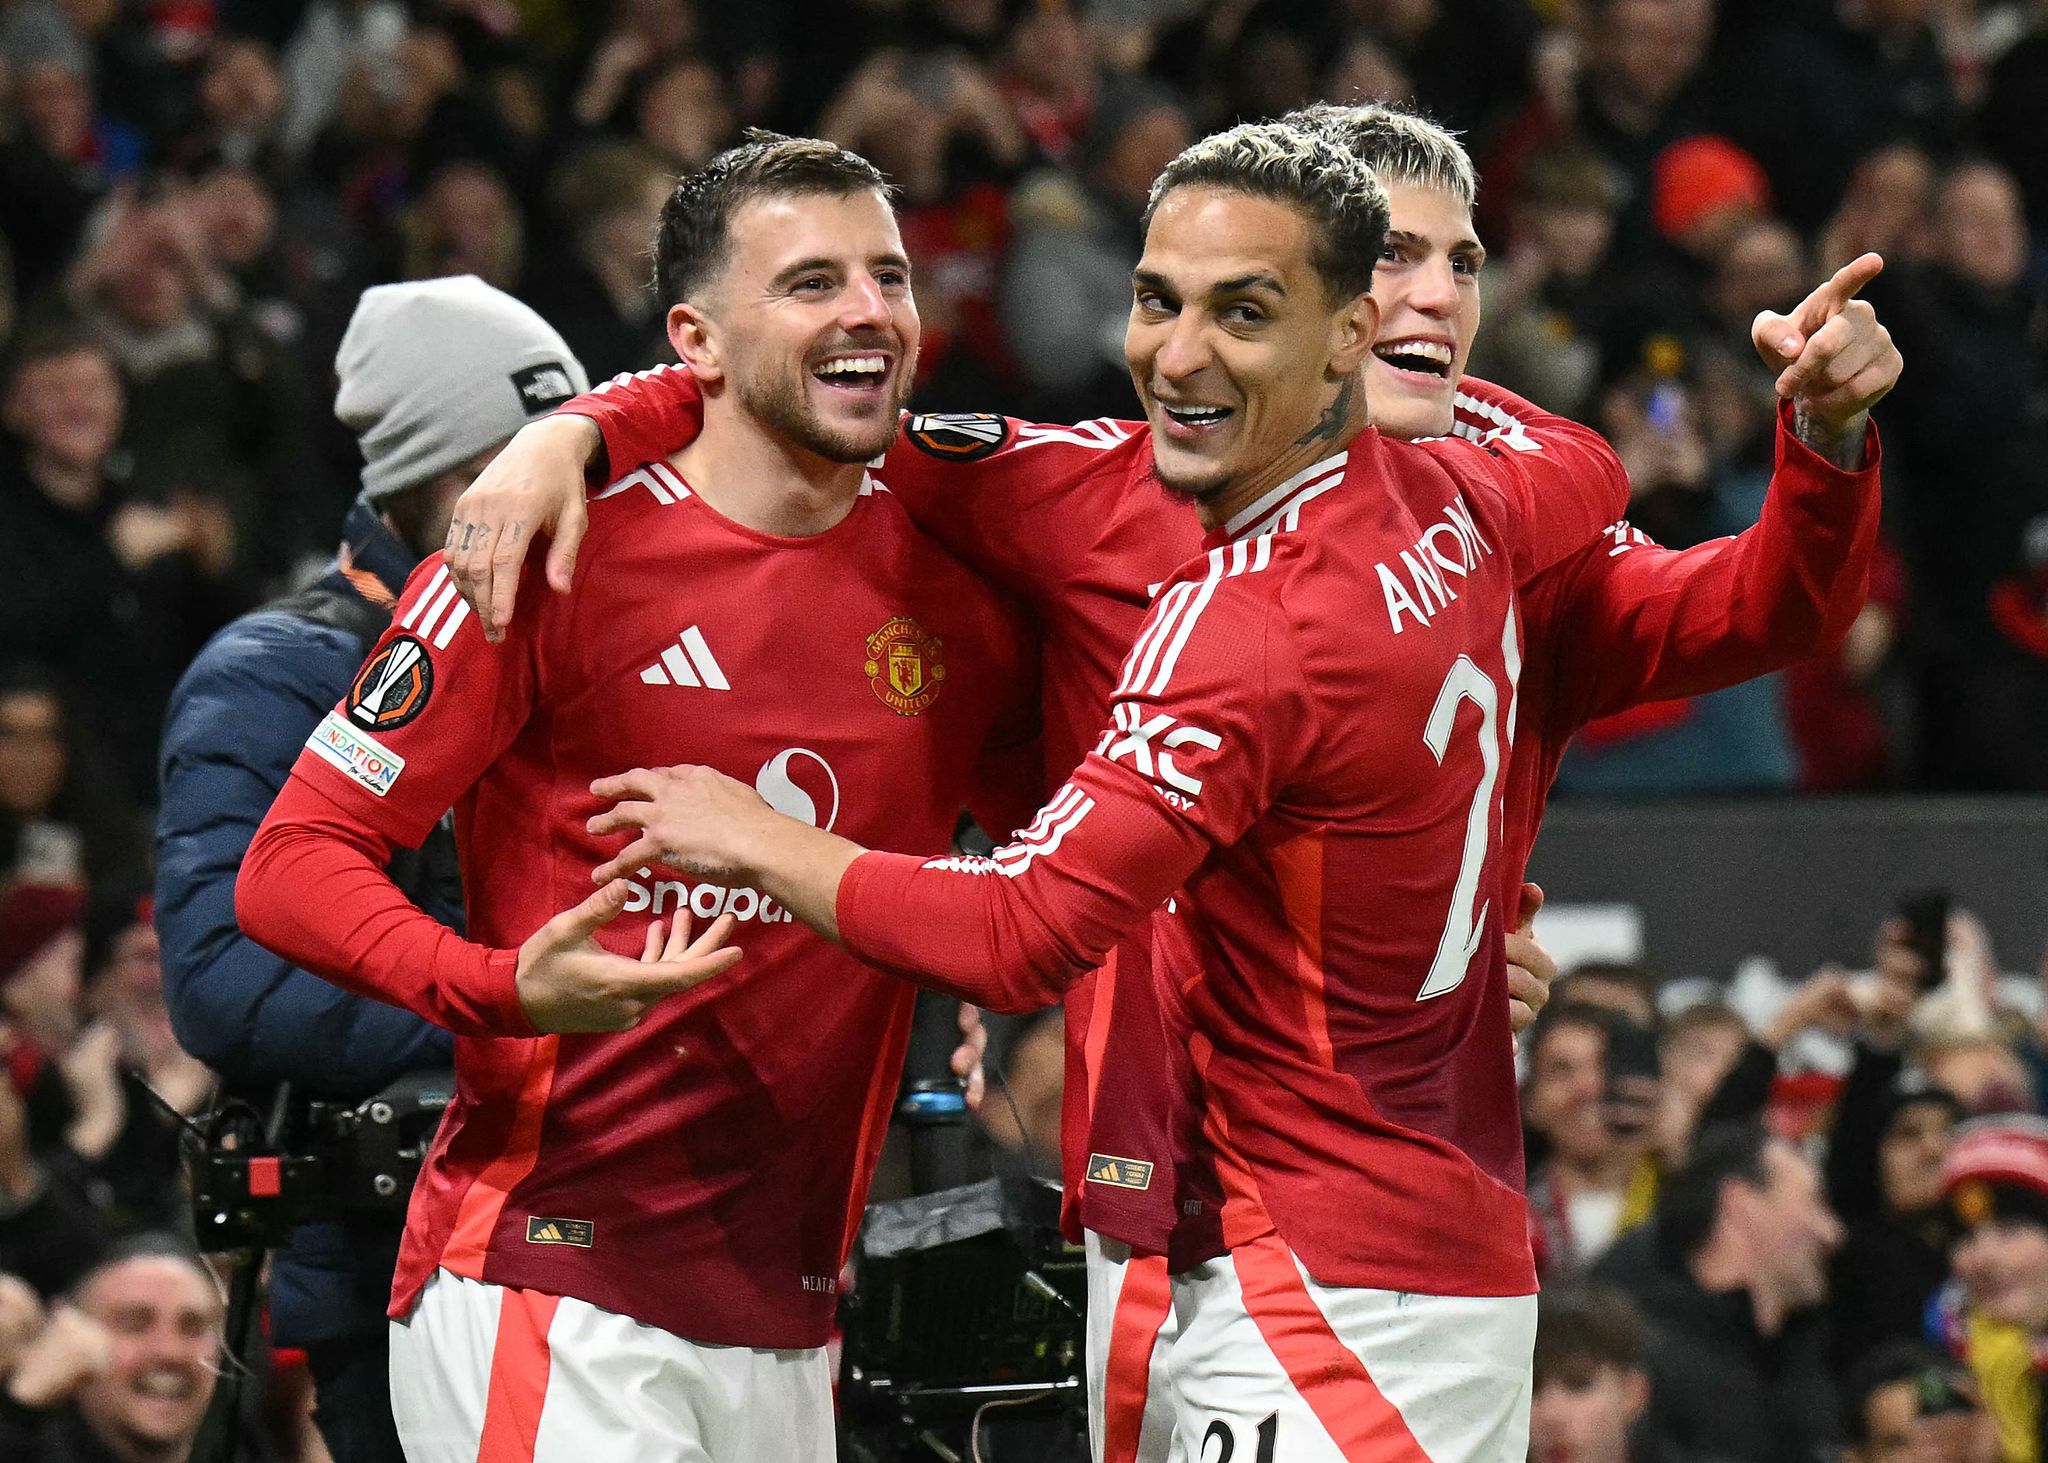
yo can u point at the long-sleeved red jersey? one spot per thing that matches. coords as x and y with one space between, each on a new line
1070 517
704 1172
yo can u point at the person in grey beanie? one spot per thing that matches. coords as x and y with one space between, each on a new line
435 376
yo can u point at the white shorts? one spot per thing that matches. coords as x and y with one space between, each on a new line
1131 1327
1271 1367
485 1374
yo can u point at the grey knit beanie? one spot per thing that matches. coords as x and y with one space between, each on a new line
438 370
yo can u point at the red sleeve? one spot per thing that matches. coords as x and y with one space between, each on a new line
1643 623
1201 738
313 888
1566 483
992 489
642 416
429 711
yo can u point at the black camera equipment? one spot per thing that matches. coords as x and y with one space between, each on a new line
962 1300
254 1179
255 1176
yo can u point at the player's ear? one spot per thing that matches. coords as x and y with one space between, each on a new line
696 342
1352 333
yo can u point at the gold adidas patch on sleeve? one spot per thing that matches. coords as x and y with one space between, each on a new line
578 1232
1120 1173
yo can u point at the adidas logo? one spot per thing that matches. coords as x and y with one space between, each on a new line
688 662
1121 1173
544 1231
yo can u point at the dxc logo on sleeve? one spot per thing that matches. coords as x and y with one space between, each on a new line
1149 742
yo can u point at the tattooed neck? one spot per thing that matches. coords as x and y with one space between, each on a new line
1334 424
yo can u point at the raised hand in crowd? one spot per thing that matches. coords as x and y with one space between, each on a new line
91 1067
71 1350
21 1321
18 1175
1826 999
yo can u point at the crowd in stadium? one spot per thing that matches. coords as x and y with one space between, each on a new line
194 195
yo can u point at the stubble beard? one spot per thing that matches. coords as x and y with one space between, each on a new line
781 402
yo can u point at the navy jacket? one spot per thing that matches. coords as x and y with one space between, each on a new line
236 723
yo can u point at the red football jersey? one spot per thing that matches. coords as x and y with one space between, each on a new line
705 1172
1308 737
1073 520
1070 518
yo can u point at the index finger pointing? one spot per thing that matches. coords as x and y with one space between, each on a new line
1826 302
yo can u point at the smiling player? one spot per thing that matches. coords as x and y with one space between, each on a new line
627 1238
1061 514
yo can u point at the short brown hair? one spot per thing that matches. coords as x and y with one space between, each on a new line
696 222
1581 1328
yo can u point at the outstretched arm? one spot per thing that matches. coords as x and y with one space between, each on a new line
1233 722
1642 623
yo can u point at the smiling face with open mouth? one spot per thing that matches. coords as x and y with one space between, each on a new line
1427 286
1236 346
815 324
163 1318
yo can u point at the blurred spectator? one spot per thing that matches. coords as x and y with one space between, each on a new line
1639 90
106 590
57 823
1595 1179
686 116
644 34
42 970
1967 473
1589 1386
599 289
1906 1403
1067 292
1703 190
49 1231
338 42
940 128
127 1052
213 408
1899 84
1996 1181
1885 210
52 170
126 1369
1049 77
465 223
241 112
1730 1278
1697 1051
1894 1254
1547 303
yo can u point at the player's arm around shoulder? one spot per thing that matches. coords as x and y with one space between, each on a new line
539 483
1006 494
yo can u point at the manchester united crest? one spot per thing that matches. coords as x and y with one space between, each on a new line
904 667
